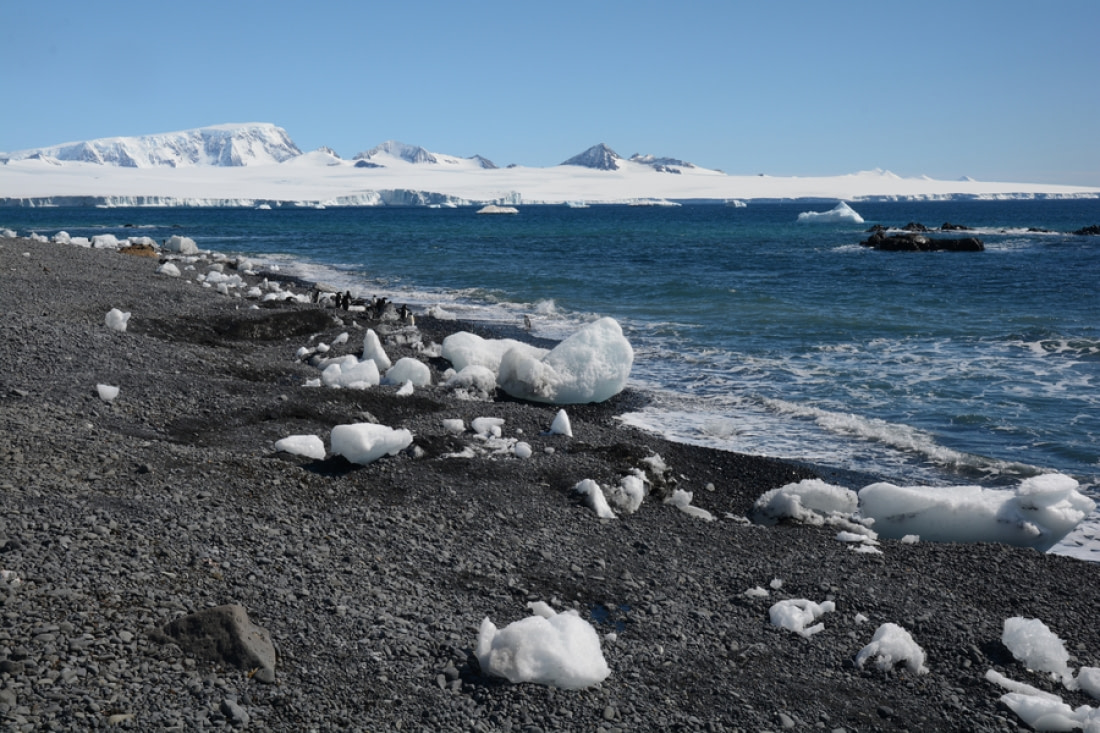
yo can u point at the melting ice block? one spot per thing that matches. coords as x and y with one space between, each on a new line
548 648
365 443
309 446
592 365
116 320
1039 513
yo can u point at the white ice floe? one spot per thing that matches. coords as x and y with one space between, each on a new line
465 349
682 500
373 351
561 425
365 443
169 269
473 382
797 615
408 369
454 425
842 212
595 498
522 450
1039 513
350 373
107 392
891 645
628 496
547 648
309 446
1038 648
592 365
116 320
811 501
181 245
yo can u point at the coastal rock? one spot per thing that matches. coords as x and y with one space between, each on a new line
139 250
949 227
914 242
1091 231
224 635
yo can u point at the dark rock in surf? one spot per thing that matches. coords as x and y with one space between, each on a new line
914 226
914 242
949 227
1089 231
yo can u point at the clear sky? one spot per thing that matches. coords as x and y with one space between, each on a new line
998 90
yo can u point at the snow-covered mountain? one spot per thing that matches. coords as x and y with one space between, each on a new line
254 164
598 157
219 145
392 150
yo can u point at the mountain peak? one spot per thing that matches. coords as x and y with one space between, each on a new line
599 157
408 153
219 145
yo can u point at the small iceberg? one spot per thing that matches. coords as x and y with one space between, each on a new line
841 213
494 209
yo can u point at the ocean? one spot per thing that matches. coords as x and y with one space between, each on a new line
753 332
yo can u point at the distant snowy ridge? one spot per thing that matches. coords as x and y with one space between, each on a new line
394 150
219 145
259 165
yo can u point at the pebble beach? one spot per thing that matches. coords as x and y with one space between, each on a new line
371 582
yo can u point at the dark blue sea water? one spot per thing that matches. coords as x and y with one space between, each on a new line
755 332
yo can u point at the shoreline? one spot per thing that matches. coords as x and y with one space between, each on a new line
372 580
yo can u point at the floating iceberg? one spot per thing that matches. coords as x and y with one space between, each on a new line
841 213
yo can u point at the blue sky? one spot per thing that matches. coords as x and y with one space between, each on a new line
999 90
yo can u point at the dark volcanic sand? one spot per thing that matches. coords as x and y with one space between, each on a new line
373 580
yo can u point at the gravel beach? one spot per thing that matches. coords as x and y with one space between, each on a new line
371 581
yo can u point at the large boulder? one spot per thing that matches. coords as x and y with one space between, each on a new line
224 635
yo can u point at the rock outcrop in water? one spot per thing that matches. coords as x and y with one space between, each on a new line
917 242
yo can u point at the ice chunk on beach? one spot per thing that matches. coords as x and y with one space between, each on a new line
1039 513
476 381
811 501
116 320
561 425
169 269
842 212
182 245
408 369
594 497
629 494
891 645
351 373
372 350
797 614
592 365
488 427
105 241
454 425
309 446
1039 648
106 392
365 443
555 649
682 500
522 449
465 349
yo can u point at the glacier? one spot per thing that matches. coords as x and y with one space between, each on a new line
259 165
